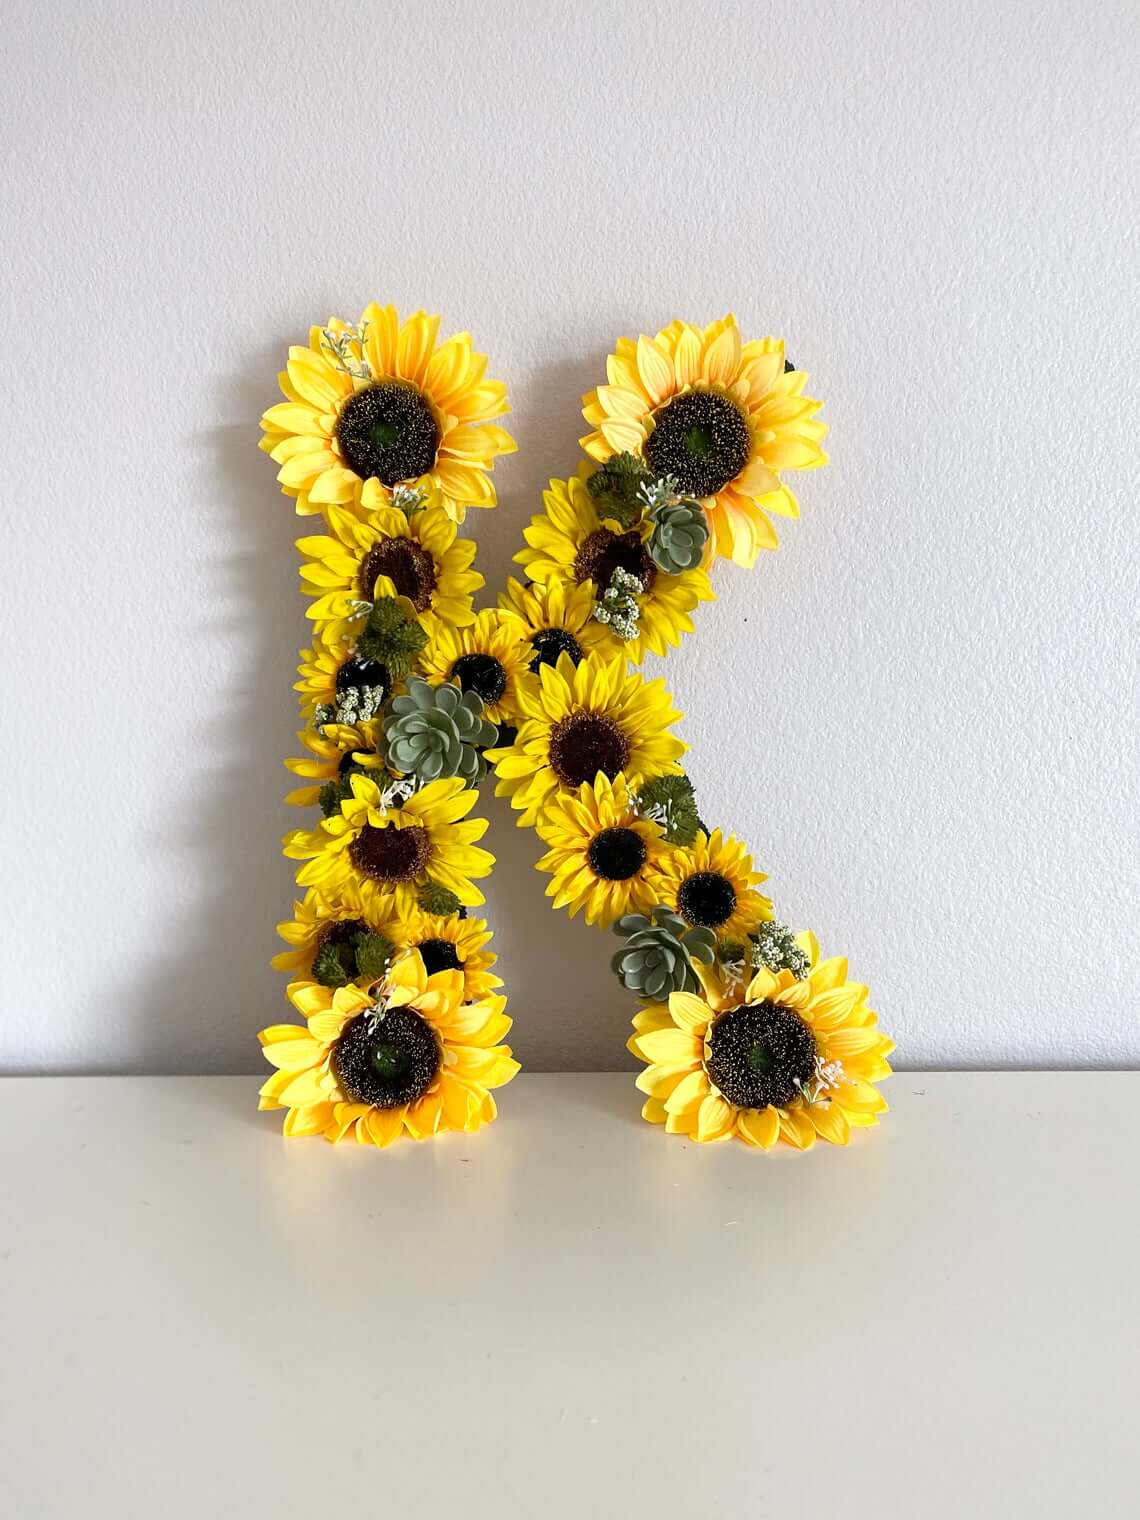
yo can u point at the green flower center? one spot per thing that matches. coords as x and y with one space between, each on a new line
482 674
616 854
410 568
387 432
603 552
707 899
583 744
549 643
700 439
386 1061
439 955
389 854
760 1055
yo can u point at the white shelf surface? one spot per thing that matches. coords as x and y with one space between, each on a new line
569 1313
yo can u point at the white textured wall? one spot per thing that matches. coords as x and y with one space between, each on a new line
921 712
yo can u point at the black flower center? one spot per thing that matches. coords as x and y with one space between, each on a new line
707 899
583 744
616 854
386 1061
410 568
758 1055
439 955
480 673
603 552
391 854
701 439
387 432
357 673
549 643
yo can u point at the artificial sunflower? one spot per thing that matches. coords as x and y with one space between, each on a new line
711 884
721 417
602 852
388 845
420 556
784 1060
573 543
410 1057
376 406
336 751
579 721
449 942
487 657
328 930
559 619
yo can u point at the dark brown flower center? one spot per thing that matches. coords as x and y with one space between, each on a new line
760 1054
391 854
616 854
707 899
386 1061
603 552
356 672
410 568
482 674
549 643
439 955
583 744
701 440
387 432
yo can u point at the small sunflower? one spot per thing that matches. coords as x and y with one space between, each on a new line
448 942
387 848
559 619
320 921
488 657
571 543
785 1060
420 555
371 1065
710 883
602 852
579 721
721 417
378 405
335 751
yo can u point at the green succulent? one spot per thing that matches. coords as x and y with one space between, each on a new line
658 955
437 731
670 801
680 532
392 636
616 488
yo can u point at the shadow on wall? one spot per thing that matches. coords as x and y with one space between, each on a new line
203 999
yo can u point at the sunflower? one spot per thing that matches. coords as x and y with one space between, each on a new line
559 620
449 942
602 853
792 1060
420 555
408 1058
710 884
387 848
488 657
335 751
571 543
579 721
721 417
375 406
319 921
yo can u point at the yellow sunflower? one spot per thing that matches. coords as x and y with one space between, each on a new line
371 1065
559 620
577 722
320 921
375 406
722 417
602 853
388 848
784 1060
447 942
710 883
488 657
571 543
335 751
420 555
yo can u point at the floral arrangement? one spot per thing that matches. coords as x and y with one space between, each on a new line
410 698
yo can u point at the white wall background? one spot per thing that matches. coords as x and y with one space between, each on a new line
921 712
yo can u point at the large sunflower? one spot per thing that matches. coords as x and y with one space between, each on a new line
710 883
559 620
570 542
388 850
784 1060
420 555
407 1058
487 657
579 721
602 853
722 417
378 405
